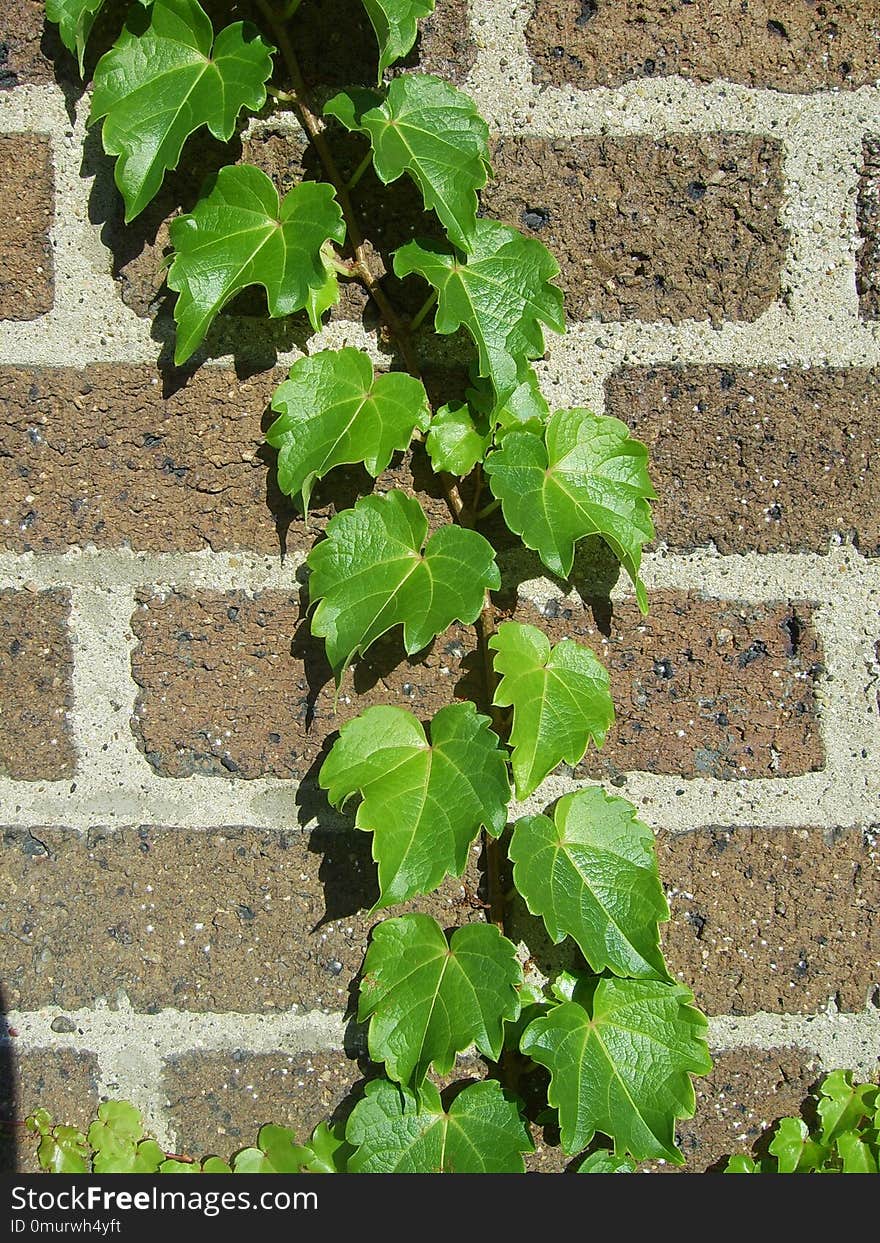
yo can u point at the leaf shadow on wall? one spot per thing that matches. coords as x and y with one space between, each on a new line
10 1122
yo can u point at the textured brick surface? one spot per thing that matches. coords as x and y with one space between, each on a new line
744 1094
227 919
219 1101
799 46
235 686
26 198
772 919
651 228
22 39
868 217
35 687
763 459
702 687
711 688
104 456
61 1080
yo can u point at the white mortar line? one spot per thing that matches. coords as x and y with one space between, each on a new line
838 1039
204 570
132 1048
114 784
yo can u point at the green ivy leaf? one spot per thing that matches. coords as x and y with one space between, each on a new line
591 874
282 1151
155 88
429 129
75 19
334 410
428 999
116 1137
526 407
605 1162
585 476
424 803
240 234
501 294
173 1166
214 1165
64 1150
560 701
328 1151
620 1062
396 23
375 571
398 1132
742 1163
455 443
794 1149
855 1154
252 1161
842 1105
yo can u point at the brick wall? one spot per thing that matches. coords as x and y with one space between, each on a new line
180 916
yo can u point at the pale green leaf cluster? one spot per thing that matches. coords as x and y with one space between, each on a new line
844 1140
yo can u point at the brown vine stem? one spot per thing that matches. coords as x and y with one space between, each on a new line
361 269
399 332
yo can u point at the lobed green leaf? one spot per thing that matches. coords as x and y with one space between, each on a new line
396 23
375 571
427 128
397 1131
501 293
334 410
157 86
584 476
560 701
240 234
428 999
424 802
620 1056
455 442
591 874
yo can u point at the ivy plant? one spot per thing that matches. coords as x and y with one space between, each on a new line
617 1041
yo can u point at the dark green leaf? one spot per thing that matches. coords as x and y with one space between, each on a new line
843 1105
375 571
427 128
620 1064
424 803
399 1132
428 999
585 476
334 410
154 89
592 875
560 701
794 1150
501 294
241 235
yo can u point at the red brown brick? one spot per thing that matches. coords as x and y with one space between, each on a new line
778 920
745 1093
701 687
105 456
23 60
26 204
764 43
758 458
35 686
219 1101
223 919
62 1081
234 685
704 688
669 228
